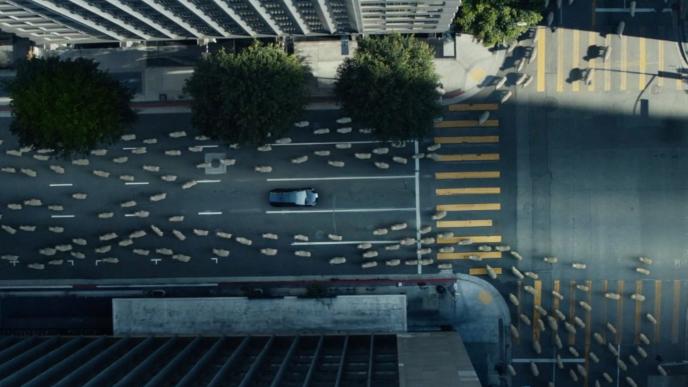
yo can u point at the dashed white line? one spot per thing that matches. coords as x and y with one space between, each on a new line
62 216
627 10
210 213
61 185
208 146
546 360
416 176
344 178
136 183
208 181
341 210
129 148
328 143
342 243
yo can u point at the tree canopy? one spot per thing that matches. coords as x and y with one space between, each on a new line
248 96
390 84
497 21
67 105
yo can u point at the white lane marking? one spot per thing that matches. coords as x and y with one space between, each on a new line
61 185
208 146
340 210
342 243
62 216
328 143
210 213
416 175
129 215
546 360
208 181
344 178
163 285
627 10
136 183
36 286
129 148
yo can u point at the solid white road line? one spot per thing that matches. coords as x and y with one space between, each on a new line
328 143
62 216
61 185
210 213
342 243
627 10
340 210
171 285
208 146
136 183
208 181
416 175
129 148
344 178
546 360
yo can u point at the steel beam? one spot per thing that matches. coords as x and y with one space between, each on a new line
48 19
217 379
266 16
27 371
138 15
235 16
108 373
257 362
160 377
7 367
132 377
314 361
325 17
111 18
198 12
277 380
340 369
371 359
79 19
46 376
174 18
192 375
289 5
72 379
353 8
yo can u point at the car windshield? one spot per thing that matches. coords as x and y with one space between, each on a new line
296 197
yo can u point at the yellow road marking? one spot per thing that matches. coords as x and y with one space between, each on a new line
477 74
537 300
481 254
608 66
619 311
483 271
467 175
575 54
642 62
555 300
464 107
560 61
592 62
466 124
675 312
572 309
660 60
470 157
469 207
624 63
541 46
658 310
468 191
638 310
473 238
464 223
467 140
588 330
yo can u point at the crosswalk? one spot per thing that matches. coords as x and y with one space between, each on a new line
634 63
467 183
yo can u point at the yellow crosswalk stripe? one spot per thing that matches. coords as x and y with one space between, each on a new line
660 60
642 61
464 223
537 300
607 65
467 140
575 53
481 254
464 107
676 309
472 238
624 63
483 271
467 175
638 310
467 191
592 62
555 300
469 157
658 310
560 61
466 124
541 55
470 207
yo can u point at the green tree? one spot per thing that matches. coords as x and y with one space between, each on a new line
68 105
249 96
390 84
497 21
